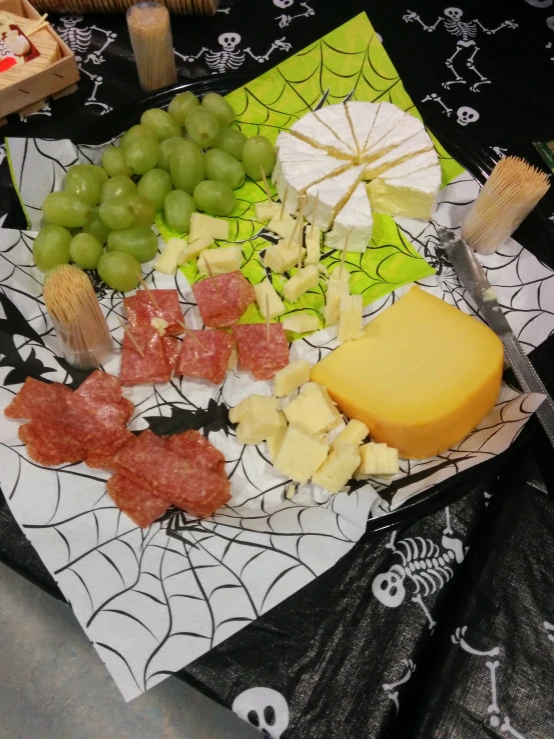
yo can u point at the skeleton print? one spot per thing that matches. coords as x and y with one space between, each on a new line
465 31
391 689
231 57
286 20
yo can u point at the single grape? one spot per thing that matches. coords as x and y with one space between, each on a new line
119 270
258 153
202 127
65 209
84 184
143 209
85 251
232 141
118 185
138 241
214 198
219 107
180 106
136 132
154 186
94 169
51 247
96 227
117 213
142 154
178 208
113 161
187 166
222 167
163 125
166 150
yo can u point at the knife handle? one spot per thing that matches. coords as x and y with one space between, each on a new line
530 382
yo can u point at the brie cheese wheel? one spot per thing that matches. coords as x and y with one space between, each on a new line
355 219
314 129
330 195
412 196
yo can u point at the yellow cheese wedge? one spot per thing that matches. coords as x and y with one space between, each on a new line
423 376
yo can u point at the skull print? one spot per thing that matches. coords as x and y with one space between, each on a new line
265 709
467 115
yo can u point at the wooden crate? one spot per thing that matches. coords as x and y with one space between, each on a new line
55 81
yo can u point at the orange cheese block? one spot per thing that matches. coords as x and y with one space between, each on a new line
423 376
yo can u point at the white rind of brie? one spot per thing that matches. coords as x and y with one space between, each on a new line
353 224
330 195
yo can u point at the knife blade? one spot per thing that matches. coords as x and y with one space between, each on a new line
473 278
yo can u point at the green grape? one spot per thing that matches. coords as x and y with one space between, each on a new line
258 153
119 270
138 241
113 161
214 198
232 141
163 125
141 155
166 150
84 184
117 186
178 208
143 209
117 213
222 167
85 251
180 106
154 186
51 247
219 107
96 170
136 132
66 209
187 166
202 127
96 227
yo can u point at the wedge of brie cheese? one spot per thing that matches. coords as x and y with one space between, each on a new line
353 224
412 196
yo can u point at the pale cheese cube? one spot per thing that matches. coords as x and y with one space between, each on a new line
267 298
313 245
305 279
300 454
336 291
275 440
377 459
301 323
338 468
254 428
195 248
171 256
339 274
283 227
313 410
291 377
266 210
350 318
203 225
282 256
222 260
354 433
256 404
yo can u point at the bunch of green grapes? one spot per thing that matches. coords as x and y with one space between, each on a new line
175 162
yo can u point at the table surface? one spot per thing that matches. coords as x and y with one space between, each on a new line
476 657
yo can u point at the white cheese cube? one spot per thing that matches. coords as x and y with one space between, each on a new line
313 410
338 468
339 274
300 454
267 298
160 324
313 248
354 433
221 260
275 440
203 225
266 210
377 459
171 256
336 290
350 318
304 280
256 404
194 248
291 377
300 323
254 428
282 256
283 227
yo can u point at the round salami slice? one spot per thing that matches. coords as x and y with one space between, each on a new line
259 354
205 354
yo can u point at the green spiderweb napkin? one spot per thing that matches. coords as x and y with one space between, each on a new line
348 63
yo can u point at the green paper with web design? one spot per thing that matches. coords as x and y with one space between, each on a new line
348 63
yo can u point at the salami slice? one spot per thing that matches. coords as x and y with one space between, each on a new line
223 299
259 355
38 399
151 368
171 349
138 503
101 388
195 448
51 444
205 354
141 310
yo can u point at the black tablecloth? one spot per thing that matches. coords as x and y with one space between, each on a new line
369 650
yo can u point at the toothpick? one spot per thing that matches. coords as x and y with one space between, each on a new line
266 185
344 248
299 220
299 256
132 339
314 214
267 323
39 23
282 212
191 333
148 291
209 268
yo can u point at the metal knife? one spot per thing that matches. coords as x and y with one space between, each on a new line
473 278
